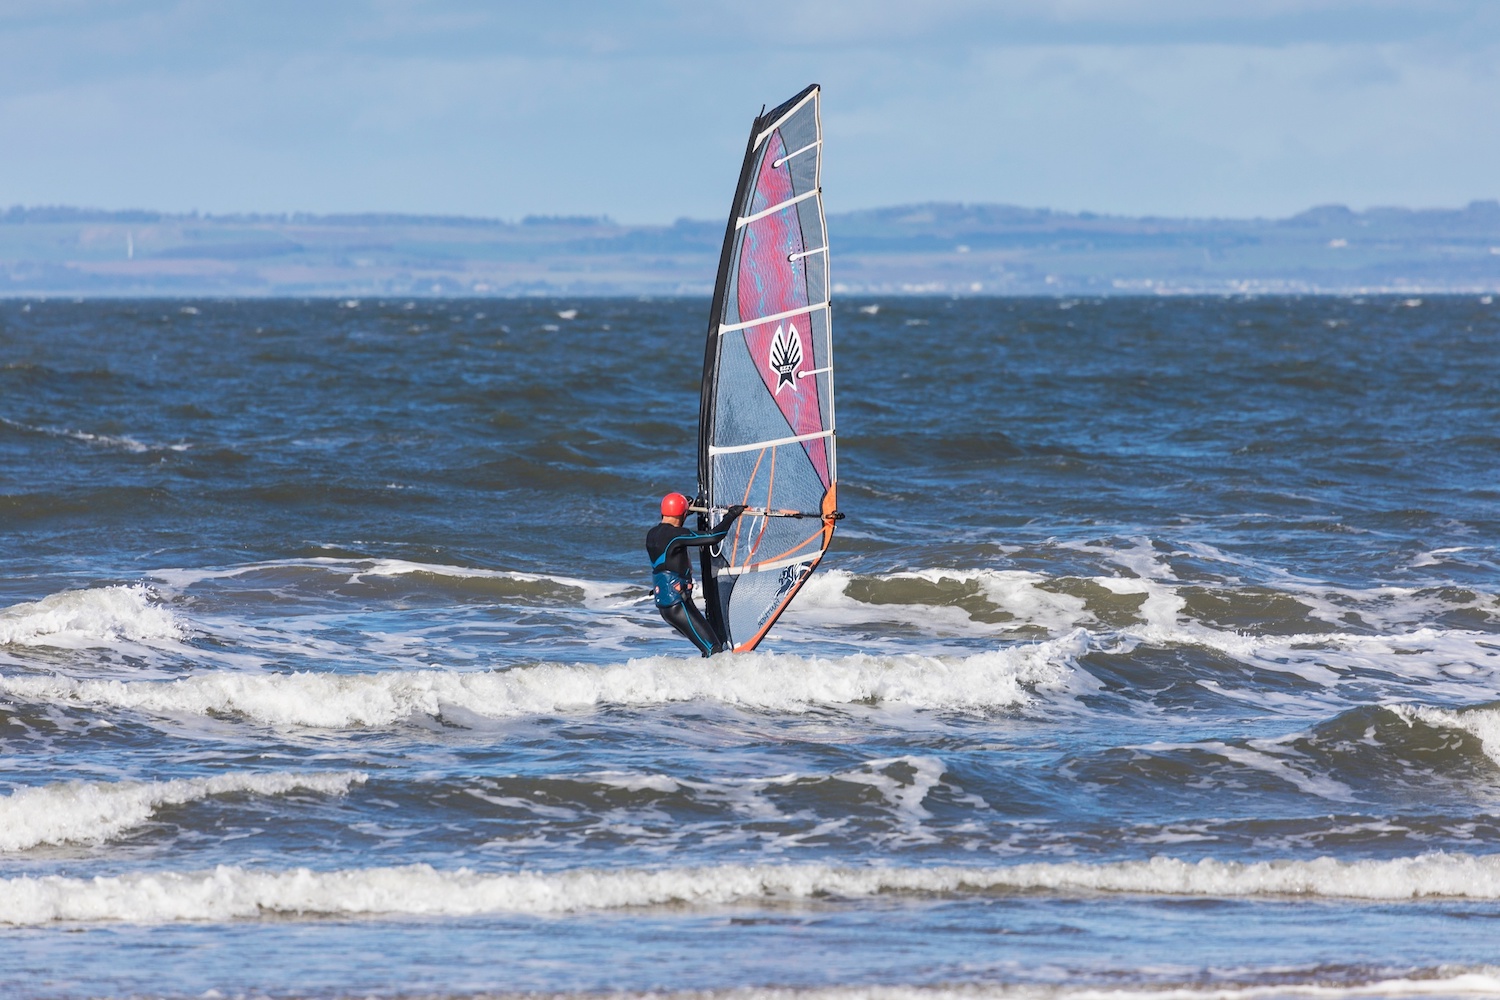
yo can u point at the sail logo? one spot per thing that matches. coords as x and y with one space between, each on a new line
786 355
785 583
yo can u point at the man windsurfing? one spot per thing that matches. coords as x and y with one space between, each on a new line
672 572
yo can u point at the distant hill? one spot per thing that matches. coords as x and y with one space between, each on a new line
939 248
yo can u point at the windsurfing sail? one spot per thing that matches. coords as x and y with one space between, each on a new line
765 421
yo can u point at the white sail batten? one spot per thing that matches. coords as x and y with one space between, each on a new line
735 449
799 199
766 567
777 318
800 105
798 152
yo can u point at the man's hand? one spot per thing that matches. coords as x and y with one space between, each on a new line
735 510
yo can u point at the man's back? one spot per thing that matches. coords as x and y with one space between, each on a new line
657 540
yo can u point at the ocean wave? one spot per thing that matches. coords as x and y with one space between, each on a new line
1373 749
998 679
336 574
1150 602
234 893
1320 982
1004 600
1303 632
1143 601
83 618
1326 658
78 812
119 442
1481 722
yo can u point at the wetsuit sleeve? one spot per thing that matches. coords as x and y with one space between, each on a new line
697 539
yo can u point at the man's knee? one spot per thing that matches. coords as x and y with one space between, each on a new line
693 627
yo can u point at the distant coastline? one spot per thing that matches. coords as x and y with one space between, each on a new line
928 249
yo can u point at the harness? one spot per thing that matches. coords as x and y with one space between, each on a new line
668 589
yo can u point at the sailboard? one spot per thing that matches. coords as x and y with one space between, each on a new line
766 420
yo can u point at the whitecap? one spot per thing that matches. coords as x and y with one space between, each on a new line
997 679
1481 723
83 618
1443 981
81 812
350 571
234 893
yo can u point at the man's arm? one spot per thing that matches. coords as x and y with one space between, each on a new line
707 538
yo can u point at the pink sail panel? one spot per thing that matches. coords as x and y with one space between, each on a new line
770 284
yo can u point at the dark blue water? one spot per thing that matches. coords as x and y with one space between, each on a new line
1157 653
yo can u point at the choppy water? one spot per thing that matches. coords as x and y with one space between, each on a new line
1159 656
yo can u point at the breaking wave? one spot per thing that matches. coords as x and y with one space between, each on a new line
1138 590
1321 982
234 893
387 577
1481 722
1374 641
80 812
81 618
997 679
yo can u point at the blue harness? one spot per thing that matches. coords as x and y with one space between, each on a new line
669 589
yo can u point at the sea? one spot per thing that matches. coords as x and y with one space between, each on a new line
1157 657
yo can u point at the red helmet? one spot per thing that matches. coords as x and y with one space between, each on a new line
674 505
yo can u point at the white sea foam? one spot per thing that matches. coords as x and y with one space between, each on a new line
595 593
906 795
1018 592
120 441
824 601
1440 656
1001 678
1444 981
1452 659
903 783
230 893
1272 757
1448 660
1032 599
90 812
1385 609
1435 557
83 618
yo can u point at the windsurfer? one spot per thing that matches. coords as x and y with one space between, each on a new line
672 573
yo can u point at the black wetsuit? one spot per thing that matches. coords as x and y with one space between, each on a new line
672 572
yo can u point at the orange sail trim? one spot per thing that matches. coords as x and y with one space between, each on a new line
782 555
765 521
746 502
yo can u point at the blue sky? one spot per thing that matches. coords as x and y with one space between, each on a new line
640 109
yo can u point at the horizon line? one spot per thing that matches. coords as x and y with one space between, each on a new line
23 214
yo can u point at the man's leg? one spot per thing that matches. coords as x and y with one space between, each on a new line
703 628
687 619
